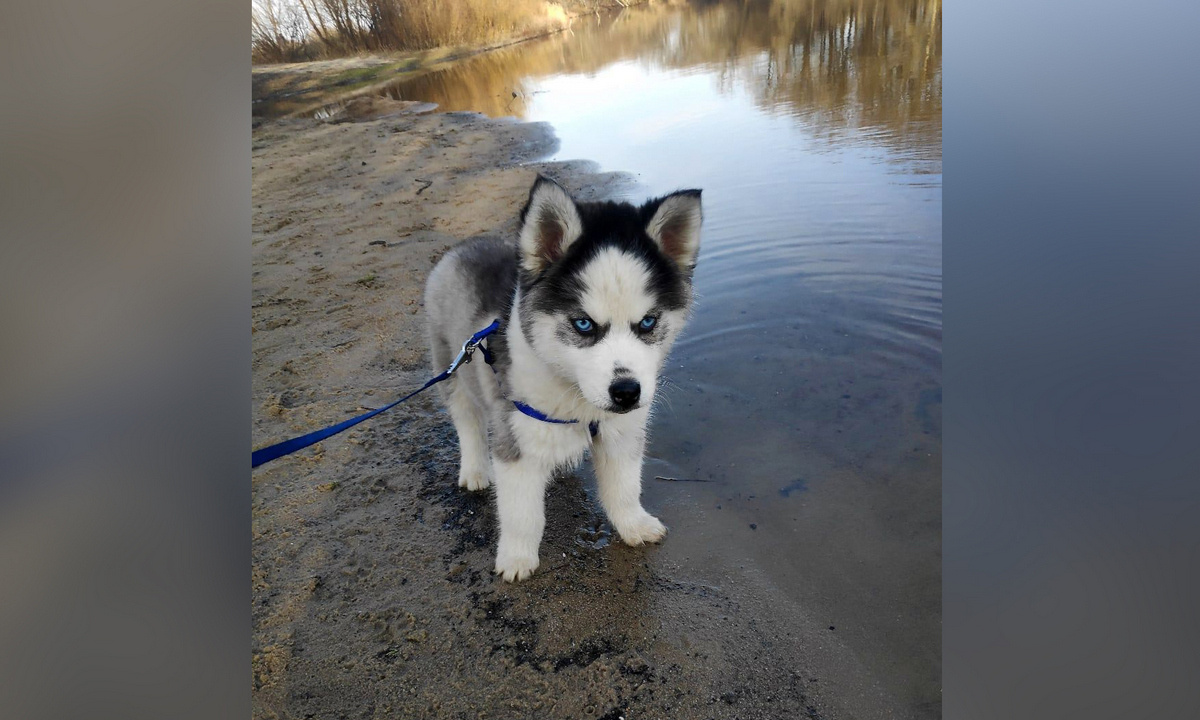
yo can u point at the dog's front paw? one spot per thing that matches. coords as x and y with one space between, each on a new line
514 565
473 479
641 529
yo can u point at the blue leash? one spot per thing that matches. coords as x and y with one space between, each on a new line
267 454
287 447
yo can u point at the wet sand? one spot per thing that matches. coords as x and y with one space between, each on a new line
372 592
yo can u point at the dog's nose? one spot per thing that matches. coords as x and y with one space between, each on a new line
625 392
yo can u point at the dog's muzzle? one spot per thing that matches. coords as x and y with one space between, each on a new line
625 393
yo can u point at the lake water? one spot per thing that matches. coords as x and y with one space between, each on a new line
805 396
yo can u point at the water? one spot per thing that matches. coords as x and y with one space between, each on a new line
807 390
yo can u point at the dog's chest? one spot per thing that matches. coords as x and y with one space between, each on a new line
551 443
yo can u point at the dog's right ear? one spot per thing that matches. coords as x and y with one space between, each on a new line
550 222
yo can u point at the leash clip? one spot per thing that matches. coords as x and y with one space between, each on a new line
464 355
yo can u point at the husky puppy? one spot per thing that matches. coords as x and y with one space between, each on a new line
591 298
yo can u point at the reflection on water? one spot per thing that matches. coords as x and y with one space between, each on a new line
837 65
807 389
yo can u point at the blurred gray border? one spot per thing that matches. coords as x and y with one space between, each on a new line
1071 507
124 298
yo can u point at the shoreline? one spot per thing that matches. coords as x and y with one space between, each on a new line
321 82
372 589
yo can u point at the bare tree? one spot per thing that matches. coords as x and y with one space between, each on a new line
279 31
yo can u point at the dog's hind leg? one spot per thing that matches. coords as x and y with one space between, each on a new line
471 425
469 420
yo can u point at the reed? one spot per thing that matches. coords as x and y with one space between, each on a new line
296 30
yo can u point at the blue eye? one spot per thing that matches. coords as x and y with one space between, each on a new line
648 323
583 325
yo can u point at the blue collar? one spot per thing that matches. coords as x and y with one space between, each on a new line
593 427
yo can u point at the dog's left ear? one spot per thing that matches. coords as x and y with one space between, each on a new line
550 222
675 225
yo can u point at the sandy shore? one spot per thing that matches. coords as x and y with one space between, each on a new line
372 590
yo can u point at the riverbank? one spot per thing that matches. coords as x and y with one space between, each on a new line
371 586
284 88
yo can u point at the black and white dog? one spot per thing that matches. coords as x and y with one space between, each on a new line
591 298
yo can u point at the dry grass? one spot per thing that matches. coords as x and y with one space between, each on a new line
296 30
460 22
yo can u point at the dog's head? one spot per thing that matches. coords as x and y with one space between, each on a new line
606 288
